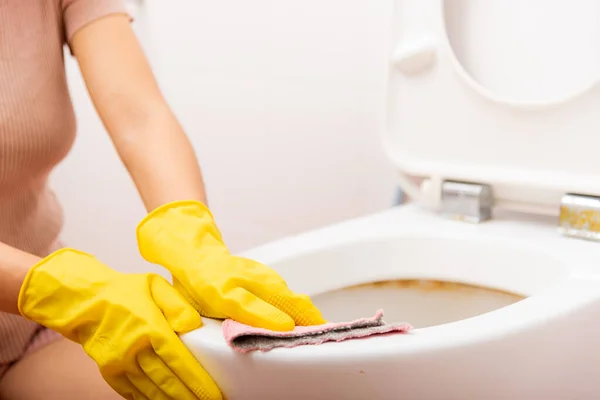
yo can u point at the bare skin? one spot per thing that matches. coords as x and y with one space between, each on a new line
60 370
162 164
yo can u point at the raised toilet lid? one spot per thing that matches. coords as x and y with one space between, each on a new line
444 125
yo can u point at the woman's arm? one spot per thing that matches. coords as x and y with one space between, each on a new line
146 134
14 265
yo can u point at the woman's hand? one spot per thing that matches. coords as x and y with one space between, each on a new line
127 323
183 238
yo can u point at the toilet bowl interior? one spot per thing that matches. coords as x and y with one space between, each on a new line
423 303
422 280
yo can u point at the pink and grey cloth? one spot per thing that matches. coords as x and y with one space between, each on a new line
243 338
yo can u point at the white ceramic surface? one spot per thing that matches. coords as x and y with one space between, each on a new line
535 348
444 124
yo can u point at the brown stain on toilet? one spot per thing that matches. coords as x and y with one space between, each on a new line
433 286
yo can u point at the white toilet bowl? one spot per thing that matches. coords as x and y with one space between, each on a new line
539 347
508 308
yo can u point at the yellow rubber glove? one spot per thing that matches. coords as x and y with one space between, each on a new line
183 238
127 323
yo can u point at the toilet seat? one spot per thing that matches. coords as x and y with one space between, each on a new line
507 353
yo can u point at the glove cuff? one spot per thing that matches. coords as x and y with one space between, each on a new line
50 279
178 229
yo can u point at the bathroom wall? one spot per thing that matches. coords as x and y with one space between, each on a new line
283 101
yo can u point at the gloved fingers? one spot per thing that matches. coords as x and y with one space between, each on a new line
247 308
297 306
184 366
124 387
179 313
171 387
147 387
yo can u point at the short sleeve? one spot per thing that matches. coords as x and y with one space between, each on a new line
79 13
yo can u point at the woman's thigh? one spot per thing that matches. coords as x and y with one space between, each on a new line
60 370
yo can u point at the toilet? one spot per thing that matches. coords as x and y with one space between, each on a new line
495 262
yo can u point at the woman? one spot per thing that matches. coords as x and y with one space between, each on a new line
59 304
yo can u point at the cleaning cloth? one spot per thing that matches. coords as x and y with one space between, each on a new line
243 338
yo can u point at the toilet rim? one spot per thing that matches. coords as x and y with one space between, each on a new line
548 258
575 293
426 267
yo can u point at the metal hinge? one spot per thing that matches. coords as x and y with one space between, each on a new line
469 202
580 216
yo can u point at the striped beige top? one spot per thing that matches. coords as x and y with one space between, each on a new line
37 128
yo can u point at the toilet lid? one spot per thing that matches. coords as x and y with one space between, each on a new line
443 124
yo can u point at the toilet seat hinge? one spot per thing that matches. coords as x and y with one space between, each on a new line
580 216
465 201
